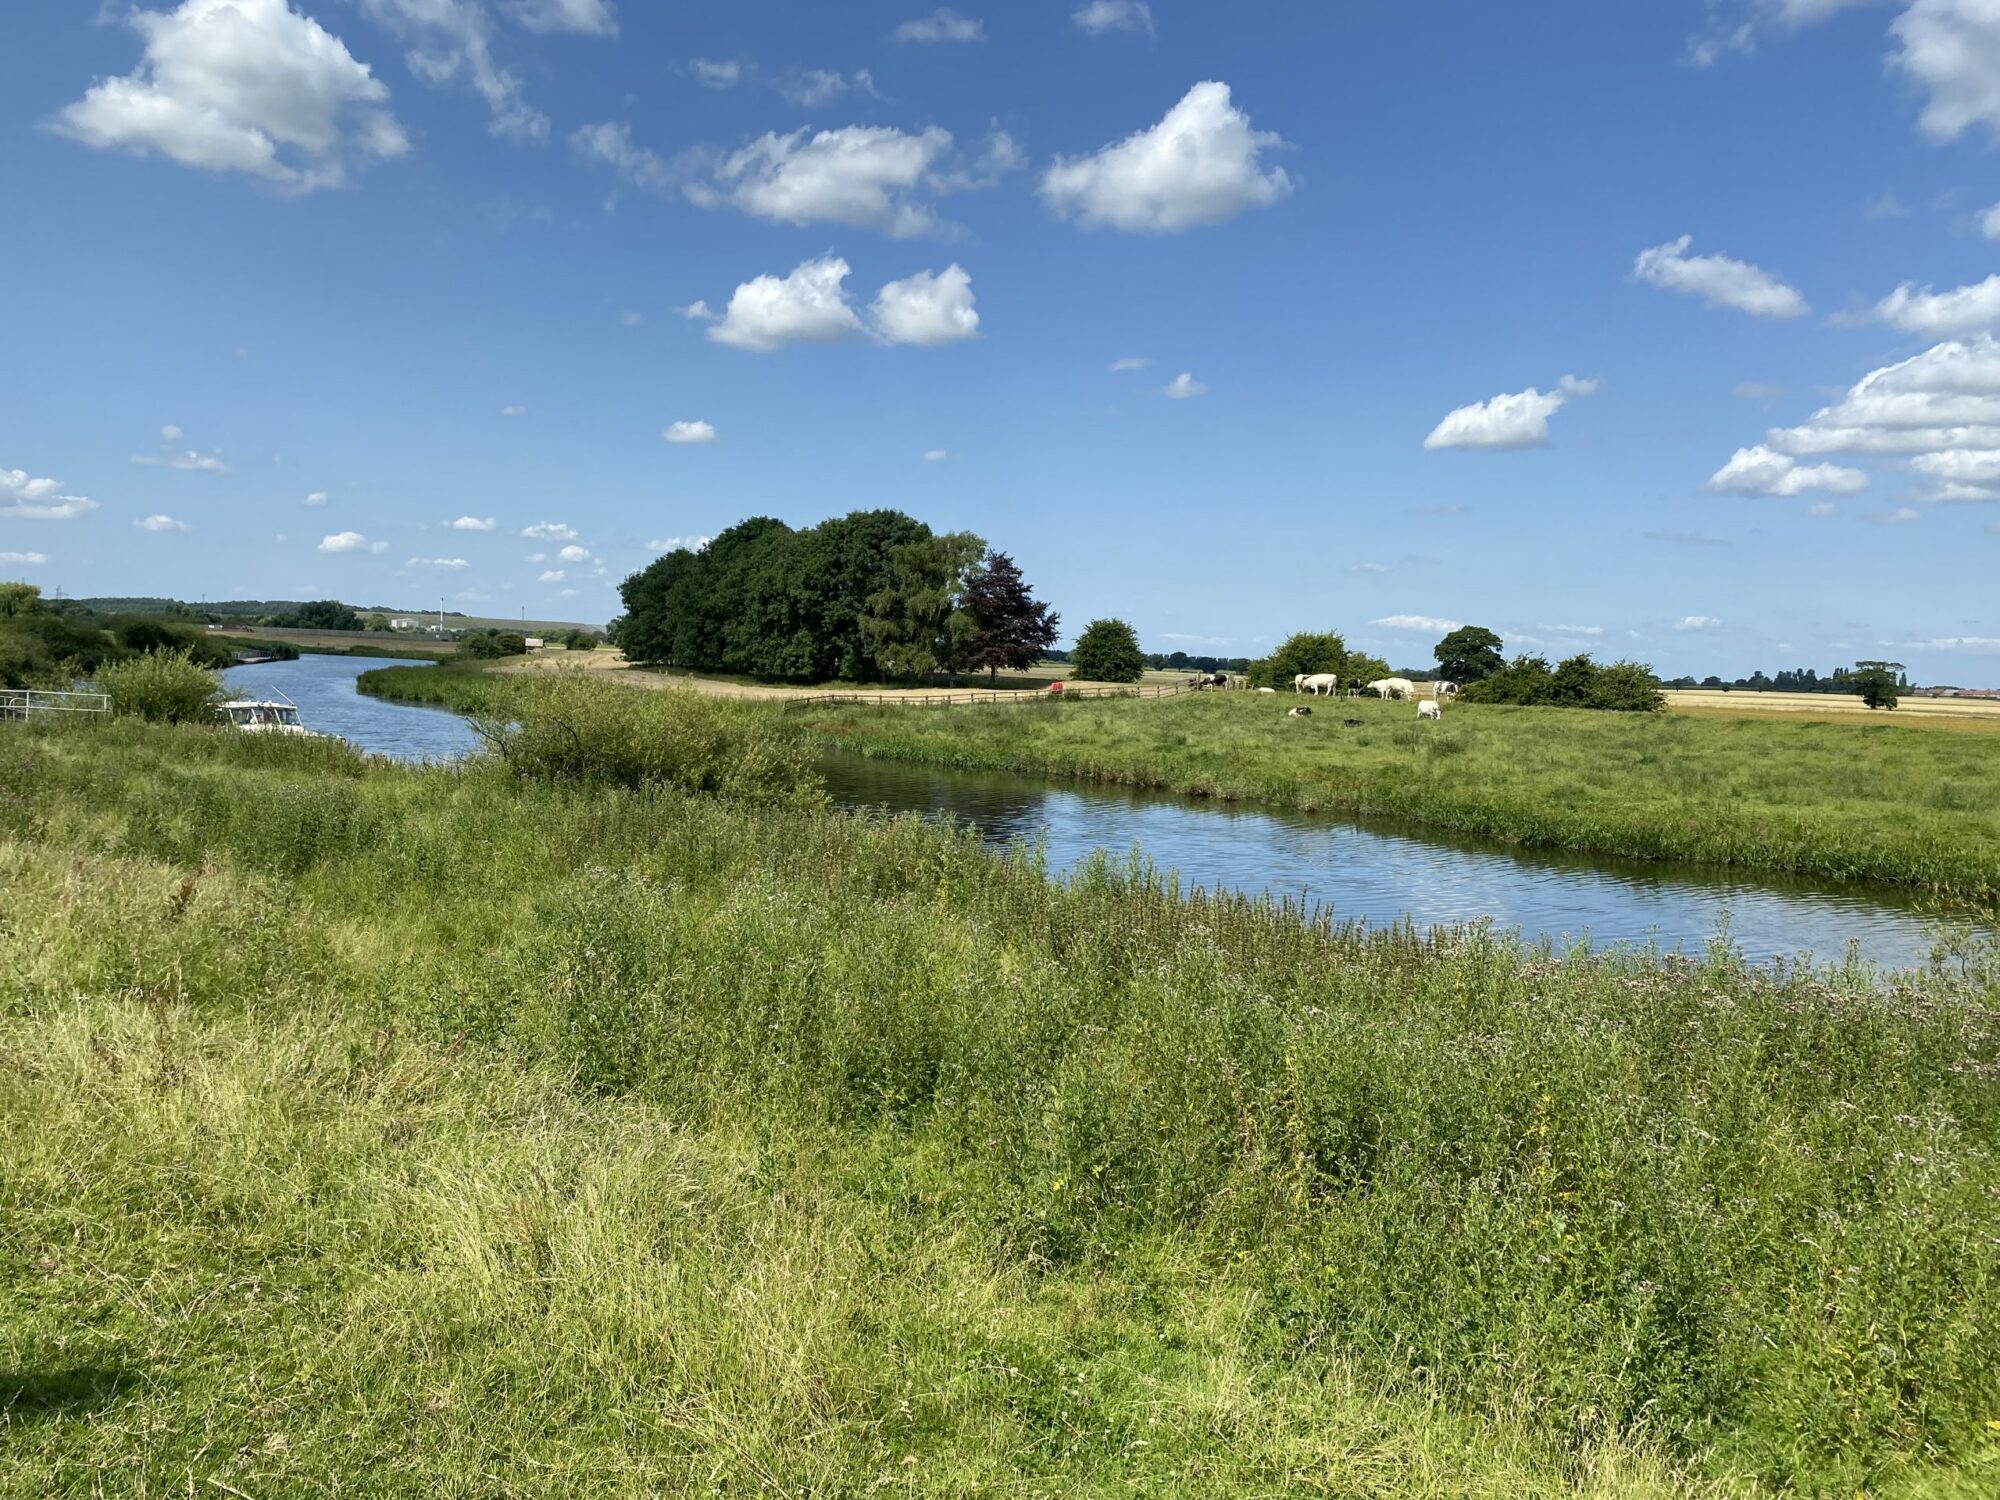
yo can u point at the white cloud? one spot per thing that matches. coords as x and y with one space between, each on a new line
1946 398
240 86
350 541
941 25
697 311
677 543
26 559
1519 420
437 562
1119 366
807 306
1429 624
585 17
549 531
811 87
1951 48
936 455
31 499
473 523
1101 16
1199 165
1572 629
513 411
574 554
1969 474
711 74
927 309
1989 222
612 144
317 498
452 40
1698 622
1957 643
171 433
1940 314
160 523
861 175
1718 280
1765 471
553 575
205 463
1183 387
689 432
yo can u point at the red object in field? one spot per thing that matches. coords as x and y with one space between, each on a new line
1055 687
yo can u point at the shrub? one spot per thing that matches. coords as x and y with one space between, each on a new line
563 726
168 687
1107 651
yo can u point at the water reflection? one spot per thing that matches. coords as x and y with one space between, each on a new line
323 688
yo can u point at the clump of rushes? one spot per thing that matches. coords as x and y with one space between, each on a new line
168 687
625 1141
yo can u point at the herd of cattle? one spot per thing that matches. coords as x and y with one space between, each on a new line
1329 685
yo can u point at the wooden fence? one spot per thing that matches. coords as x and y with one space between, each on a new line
962 698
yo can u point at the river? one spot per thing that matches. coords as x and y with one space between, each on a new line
1381 873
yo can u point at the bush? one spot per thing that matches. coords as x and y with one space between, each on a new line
168 687
564 726
1107 651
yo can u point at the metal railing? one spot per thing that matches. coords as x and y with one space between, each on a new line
22 703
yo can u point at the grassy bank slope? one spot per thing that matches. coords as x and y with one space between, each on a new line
1835 800
397 1131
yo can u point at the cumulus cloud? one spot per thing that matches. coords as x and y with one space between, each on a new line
1200 165
171 433
936 455
941 25
584 17
1102 16
245 86
697 311
612 145
26 559
809 305
1944 399
574 554
1940 314
1119 366
1951 49
549 531
552 575
204 463
1183 387
689 432
1718 280
679 543
1764 471
437 562
861 175
712 73
473 523
317 498
1989 222
1429 624
350 541
1519 420
927 309
1970 474
1698 622
160 523
811 87
31 499
451 41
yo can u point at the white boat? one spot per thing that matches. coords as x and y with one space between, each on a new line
273 715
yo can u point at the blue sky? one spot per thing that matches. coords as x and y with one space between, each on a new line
1579 321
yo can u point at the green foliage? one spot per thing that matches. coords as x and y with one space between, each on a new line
563 725
168 687
377 623
1308 652
462 1104
1579 682
320 614
1012 628
1107 651
1469 654
52 644
580 640
491 645
917 622
1877 682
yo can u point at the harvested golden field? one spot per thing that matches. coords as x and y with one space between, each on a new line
1977 715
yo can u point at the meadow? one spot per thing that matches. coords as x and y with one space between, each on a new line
464 1132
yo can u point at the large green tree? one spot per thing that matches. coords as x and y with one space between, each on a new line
917 622
1306 651
1107 651
1470 653
1877 682
1011 627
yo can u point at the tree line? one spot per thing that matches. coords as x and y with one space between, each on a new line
866 597
55 643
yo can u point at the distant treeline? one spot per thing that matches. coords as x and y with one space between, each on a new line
55 644
277 613
1796 680
859 598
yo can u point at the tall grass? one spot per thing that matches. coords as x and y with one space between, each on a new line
438 1132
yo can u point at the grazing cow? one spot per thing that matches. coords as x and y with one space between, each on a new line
1301 712
1299 681
1428 709
1322 682
1443 689
1267 690
1382 688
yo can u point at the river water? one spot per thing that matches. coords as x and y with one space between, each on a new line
1379 872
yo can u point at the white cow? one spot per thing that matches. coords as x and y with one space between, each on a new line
1393 687
1323 682
1299 682
1267 690
1443 689
1428 709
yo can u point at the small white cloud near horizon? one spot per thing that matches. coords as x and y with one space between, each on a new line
437 562
160 523
1201 164
807 305
1183 387
1516 420
26 559
1941 314
350 541
1760 470
473 523
317 498
1698 622
1132 362
941 25
552 575
1101 17
1718 280
689 432
927 309
1431 624
936 455
549 531
32 499
188 460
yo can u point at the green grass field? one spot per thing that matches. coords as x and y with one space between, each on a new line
373 1130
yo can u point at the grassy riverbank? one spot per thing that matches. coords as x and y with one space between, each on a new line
393 1131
